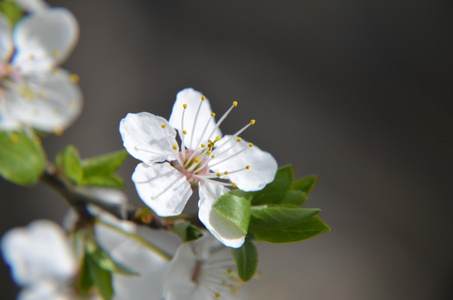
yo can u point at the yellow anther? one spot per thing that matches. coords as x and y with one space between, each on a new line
55 53
219 174
229 271
212 156
239 139
235 103
226 172
248 167
14 137
217 295
252 122
175 147
31 56
203 145
209 142
58 130
217 138
250 145
184 105
202 98
184 132
163 126
209 152
74 78
234 185
8 69
197 160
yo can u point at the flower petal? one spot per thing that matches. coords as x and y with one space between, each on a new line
224 230
38 253
146 140
178 283
201 125
233 155
46 101
6 44
162 188
135 255
44 39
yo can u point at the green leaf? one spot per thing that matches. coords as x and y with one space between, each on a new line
294 198
305 184
108 180
102 279
84 281
22 159
246 259
103 164
186 231
105 262
275 191
11 10
235 207
279 217
302 230
68 160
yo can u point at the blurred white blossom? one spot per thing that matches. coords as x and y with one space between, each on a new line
204 160
203 269
41 260
33 91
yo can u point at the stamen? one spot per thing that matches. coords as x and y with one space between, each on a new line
224 116
229 157
205 127
74 78
184 133
195 121
252 122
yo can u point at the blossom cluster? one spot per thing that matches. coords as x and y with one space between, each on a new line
110 249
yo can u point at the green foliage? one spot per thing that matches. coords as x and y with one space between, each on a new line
235 207
68 162
305 184
298 231
186 231
275 191
246 259
279 217
97 171
22 159
11 10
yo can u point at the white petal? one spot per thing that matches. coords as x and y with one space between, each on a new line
37 253
44 39
146 140
47 101
139 258
6 45
178 284
162 188
32 6
224 230
193 122
263 165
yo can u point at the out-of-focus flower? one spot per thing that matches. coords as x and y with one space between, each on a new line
204 160
40 259
203 269
33 91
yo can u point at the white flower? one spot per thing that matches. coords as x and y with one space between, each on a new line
33 91
201 270
40 259
204 159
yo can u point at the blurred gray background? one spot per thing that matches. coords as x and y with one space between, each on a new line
358 92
